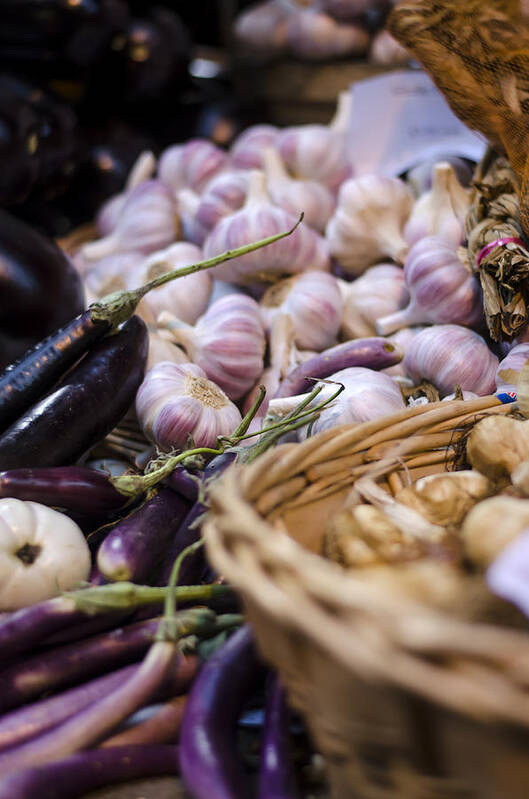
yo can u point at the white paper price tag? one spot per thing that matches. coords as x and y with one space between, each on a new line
401 118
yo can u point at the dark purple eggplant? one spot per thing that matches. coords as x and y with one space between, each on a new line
87 771
84 407
72 488
372 353
39 288
184 482
136 545
276 775
209 759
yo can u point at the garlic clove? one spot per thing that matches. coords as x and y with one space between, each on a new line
190 165
176 401
314 304
450 355
367 224
496 446
441 211
441 289
381 290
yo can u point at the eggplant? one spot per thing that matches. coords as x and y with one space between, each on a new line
209 760
276 776
133 549
84 407
372 353
40 290
162 727
72 488
73 776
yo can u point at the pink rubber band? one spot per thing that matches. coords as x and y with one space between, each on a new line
497 243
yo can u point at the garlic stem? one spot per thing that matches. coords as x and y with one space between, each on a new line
342 115
406 317
273 165
142 169
257 189
119 306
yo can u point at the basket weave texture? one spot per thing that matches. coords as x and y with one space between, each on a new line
402 700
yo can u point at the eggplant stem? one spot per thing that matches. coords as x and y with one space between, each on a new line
99 599
167 630
133 484
119 306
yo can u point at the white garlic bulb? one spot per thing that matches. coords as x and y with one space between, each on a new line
186 298
450 355
379 291
513 362
441 289
258 218
292 195
176 401
319 152
314 35
387 51
246 150
108 214
227 342
42 552
314 304
442 210
147 222
368 221
190 165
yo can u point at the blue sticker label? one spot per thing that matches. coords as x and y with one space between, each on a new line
509 396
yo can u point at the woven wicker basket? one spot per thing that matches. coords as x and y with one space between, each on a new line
401 700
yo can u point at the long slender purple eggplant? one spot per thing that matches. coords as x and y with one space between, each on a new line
372 353
133 549
84 407
185 483
72 488
77 774
32 720
276 775
209 759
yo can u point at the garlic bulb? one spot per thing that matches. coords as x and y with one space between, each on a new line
378 292
496 446
162 349
314 35
491 526
176 401
449 355
441 289
42 552
258 218
292 195
319 152
511 364
187 202
420 178
223 195
367 224
387 51
402 339
187 297
227 342
108 215
147 222
314 304
190 165
442 210
446 499
262 27
111 273
246 150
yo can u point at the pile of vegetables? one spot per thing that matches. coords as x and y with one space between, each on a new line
368 293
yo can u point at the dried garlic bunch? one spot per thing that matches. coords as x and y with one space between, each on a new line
491 526
446 498
497 445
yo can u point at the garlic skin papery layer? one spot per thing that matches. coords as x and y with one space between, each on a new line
176 401
42 552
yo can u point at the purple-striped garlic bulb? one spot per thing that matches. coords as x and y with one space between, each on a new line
316 36
387 51
186 298
258 218
442 210
402 339
510 366
314 303
262 28
291 194
449 356
227 342
224 194
246 150
108 214
378 292
190 165
187 203
147 222
367 224
176 401
442 290
319 152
